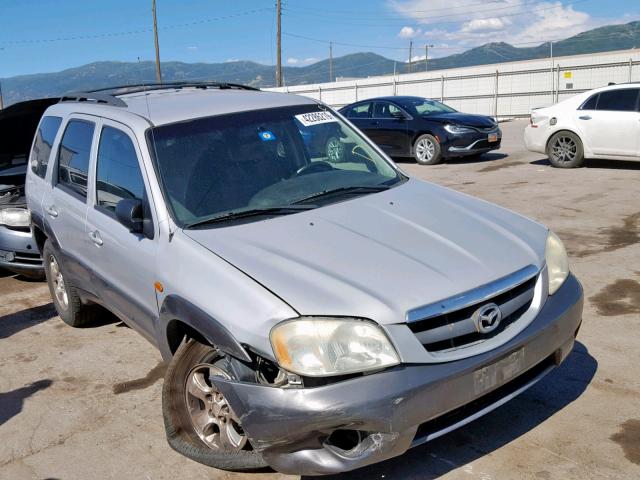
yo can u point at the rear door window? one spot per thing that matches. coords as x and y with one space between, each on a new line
360 111
118 174
620 100
591 103
385 110
73 156
43 144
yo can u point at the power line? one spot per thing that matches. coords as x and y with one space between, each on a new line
129 32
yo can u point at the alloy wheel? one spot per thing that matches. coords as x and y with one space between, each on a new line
425 149
334 150
564 149
211 416
59 287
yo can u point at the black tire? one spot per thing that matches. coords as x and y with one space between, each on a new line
74 313
426 150
565 150
180 430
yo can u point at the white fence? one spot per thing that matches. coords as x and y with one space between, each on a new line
501 90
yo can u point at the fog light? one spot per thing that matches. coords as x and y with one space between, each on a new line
7 256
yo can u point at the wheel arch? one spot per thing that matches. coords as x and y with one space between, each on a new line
179 319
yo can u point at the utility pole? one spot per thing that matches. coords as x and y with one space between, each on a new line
552 69
426 57
279 46
1 101
330 61
410 53
155 34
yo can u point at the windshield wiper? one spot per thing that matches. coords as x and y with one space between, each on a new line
344 190
255 212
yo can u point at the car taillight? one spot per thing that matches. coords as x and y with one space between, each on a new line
532 122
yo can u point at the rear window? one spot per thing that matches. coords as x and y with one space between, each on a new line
618 100
73 156
43 144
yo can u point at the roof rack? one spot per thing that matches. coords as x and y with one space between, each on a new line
93 97
143 87
109 95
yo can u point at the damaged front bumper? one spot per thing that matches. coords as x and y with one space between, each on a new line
357 422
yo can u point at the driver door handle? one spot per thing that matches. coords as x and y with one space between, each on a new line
95 237
52 210
374 123
585 117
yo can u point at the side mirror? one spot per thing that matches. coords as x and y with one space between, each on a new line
129 212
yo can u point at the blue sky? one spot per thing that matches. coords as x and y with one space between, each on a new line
49 35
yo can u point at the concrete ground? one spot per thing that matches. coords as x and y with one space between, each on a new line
85 403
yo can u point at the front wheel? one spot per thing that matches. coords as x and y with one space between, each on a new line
199 421
426 150
565 150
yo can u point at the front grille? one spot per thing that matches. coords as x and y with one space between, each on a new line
28 258
487 129
457 329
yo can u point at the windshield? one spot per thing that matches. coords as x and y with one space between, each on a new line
217 167
424 106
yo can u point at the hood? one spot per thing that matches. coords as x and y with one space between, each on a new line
465 119
12 186
380 255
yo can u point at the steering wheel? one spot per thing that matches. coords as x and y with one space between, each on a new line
314 167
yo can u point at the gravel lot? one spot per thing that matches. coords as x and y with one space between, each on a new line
85 403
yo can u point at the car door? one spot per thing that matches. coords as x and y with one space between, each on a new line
42 150
359 115
123 263
391 128
65 202
610 123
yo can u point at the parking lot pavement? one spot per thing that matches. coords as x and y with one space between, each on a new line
85 403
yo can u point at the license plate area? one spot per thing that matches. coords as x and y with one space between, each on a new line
493 137
487 378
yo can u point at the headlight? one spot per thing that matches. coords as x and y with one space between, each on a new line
320 347
15 217
557 262
457 129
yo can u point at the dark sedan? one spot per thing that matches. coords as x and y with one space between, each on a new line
424 129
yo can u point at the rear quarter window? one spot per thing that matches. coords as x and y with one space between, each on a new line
43 144
73 156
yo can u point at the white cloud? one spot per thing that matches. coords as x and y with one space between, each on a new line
310 60
483 25
292 61
409 32
462 24
192 48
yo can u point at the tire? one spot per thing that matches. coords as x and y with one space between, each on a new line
565 150
192 364
334 150
426 150
64 294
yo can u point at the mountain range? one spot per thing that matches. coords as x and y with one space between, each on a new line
103 74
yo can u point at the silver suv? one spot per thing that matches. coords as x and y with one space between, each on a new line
317 314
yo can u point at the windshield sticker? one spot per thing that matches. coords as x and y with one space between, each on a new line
315 118
266 136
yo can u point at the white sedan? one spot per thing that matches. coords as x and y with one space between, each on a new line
601 123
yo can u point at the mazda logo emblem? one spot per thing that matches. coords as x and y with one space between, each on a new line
487 318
